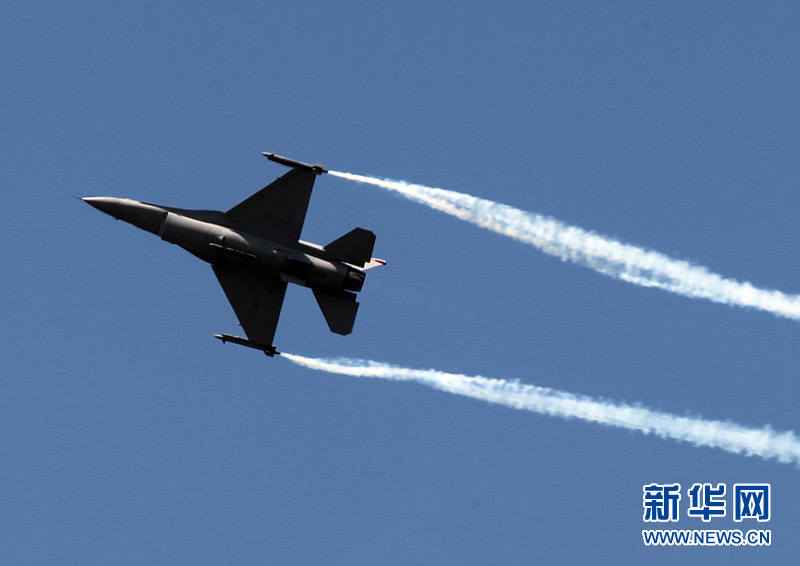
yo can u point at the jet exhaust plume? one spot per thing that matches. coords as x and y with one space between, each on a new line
731 437
623 261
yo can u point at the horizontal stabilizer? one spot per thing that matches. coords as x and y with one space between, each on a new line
338 307
355 247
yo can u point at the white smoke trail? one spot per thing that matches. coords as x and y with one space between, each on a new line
783 446
610 257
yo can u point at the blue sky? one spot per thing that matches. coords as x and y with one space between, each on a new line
132 436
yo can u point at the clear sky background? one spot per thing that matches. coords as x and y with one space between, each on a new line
130 435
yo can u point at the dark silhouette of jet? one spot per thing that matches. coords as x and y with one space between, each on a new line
255 250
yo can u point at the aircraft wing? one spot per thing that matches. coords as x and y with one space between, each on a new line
280 206
256 298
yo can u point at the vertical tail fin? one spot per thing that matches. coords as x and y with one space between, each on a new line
355 247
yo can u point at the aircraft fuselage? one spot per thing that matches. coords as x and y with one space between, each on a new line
255 251
213 242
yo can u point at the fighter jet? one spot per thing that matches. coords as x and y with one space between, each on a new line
255 250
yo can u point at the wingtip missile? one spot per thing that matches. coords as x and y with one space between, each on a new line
268 350
317 168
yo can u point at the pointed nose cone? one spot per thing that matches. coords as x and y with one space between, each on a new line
109 205
145 216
